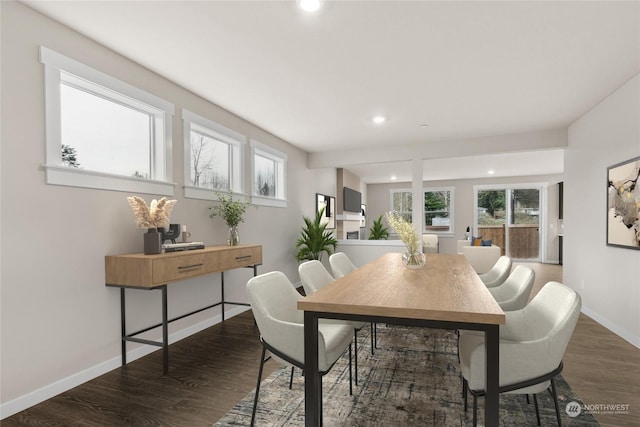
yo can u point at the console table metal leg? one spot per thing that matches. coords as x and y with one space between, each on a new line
165 332
123 327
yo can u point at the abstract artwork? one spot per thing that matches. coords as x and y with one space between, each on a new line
623 204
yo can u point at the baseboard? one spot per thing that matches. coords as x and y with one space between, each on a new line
47 392
621 332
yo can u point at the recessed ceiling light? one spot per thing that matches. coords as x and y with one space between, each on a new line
379 119
309 5
393 177
491 171
424 125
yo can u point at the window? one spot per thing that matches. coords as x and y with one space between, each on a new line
401 201
269 172
438 210
212 158
102 132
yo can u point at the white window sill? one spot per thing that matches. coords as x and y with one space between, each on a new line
268 201
72 177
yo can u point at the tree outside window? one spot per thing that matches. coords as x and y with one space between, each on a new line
438 210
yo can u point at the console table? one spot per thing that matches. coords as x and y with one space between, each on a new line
150 272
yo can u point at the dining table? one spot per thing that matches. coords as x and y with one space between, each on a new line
444 293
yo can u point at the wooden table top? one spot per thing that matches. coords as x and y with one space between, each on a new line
446 288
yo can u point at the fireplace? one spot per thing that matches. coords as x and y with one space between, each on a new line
353 235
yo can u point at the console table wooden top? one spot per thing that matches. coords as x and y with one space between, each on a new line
148 271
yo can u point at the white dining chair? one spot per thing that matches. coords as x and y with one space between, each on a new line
430 243
314 276
513 293
498 273
274 305
532 344
341 265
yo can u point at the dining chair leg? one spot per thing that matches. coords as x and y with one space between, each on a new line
555 401
475 410
464 393
355 348
373 337
535 403
255 399
350 374
291 378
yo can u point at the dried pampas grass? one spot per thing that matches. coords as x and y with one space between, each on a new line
156 215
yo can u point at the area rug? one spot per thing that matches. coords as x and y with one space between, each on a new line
412 379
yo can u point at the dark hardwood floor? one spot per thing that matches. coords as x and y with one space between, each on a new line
209 373
213 370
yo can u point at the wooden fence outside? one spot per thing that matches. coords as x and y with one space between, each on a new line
524 240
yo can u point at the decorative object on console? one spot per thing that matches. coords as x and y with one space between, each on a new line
467 233
314 239
153 216
185 234
231 212
171 233
413 257
623 204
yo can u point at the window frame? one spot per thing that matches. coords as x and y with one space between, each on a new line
394 191
451 211
223 134
280 200
60 69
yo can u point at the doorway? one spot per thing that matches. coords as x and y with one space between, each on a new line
510 217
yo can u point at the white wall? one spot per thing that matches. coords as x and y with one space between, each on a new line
60 324
608 278
378 203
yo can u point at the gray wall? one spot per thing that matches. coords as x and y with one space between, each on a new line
378 203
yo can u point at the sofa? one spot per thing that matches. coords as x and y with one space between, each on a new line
481 258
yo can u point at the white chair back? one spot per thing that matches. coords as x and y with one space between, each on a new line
430 243
551 316
273 300
314 276
341 265
498 273
514 293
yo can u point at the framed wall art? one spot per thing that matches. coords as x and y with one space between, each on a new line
623 204
328 203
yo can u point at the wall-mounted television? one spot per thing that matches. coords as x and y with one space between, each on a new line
352 200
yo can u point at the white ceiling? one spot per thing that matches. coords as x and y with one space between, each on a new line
465 69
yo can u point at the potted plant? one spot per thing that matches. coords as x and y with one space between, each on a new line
314 239
231 211
378 231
